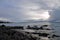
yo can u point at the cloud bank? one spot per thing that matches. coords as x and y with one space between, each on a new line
22 10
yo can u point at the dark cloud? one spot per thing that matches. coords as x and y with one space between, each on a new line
55 14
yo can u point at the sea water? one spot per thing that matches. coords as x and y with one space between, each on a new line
54 25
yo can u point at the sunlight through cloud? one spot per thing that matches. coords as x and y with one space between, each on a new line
39 16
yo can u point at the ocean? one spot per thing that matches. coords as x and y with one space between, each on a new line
54 25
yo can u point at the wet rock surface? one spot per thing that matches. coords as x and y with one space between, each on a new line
7 34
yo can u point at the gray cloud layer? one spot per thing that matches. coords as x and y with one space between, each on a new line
20 10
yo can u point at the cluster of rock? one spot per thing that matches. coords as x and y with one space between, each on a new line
44 31
19 33
7 34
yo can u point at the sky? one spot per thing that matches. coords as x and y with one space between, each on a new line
23 10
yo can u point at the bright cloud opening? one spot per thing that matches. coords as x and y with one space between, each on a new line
45 15
39 16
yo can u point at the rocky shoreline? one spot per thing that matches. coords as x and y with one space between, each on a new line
7 34
30 33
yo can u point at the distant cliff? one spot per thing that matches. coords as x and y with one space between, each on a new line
4 22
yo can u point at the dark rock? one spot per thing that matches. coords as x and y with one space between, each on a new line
44 26
43 34
35 27
55 36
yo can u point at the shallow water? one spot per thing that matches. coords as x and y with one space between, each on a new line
54 25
